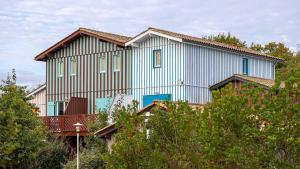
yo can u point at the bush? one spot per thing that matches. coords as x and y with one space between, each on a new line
89 159
52 156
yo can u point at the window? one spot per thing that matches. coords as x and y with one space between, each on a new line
60 68
245 66
102 64
157 58
73 67
117 62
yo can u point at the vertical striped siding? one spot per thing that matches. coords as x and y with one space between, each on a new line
88 82
39 100
214 65
198 67
147 80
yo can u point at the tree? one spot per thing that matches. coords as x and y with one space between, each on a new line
21 131
227 39
252 128
275 49
51 156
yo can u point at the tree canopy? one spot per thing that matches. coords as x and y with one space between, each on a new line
228 39
21 132
244 130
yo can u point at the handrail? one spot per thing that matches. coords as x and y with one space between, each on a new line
64 123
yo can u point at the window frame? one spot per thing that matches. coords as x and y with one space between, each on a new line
100 64
154 58
61 68
73 61
115 62
245 66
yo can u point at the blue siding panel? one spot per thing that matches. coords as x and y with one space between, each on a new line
148 99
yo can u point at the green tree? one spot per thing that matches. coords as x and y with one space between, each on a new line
275 49
91 155
250 129
51 156
21 131
227 39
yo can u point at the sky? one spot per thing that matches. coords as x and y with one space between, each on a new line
28 27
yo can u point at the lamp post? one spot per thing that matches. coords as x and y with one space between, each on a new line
77 127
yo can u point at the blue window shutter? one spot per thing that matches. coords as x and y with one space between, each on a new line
50 109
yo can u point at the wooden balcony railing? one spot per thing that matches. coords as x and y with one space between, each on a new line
63 124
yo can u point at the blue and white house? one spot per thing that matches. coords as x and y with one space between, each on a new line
173 66
94 68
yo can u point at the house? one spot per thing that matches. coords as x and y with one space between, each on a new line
39 99
87 70
180 67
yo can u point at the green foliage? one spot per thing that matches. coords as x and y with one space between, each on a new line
275 49
89 159
94 149
227 39
252 129
21 131
50 156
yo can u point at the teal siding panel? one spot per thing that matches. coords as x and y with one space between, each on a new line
103 103
50 109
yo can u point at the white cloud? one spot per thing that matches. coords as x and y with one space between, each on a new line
30 26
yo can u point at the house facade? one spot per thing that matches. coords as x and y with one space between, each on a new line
87 64
179 67
154 65
38 96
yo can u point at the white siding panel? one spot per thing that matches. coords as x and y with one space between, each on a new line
207 66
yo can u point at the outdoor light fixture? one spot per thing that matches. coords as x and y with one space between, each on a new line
77 127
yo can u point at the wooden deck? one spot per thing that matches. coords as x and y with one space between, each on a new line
63 124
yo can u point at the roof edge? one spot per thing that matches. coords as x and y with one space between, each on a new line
238 77
80 31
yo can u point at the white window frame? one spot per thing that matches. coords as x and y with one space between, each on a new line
73 61
101 70
117 66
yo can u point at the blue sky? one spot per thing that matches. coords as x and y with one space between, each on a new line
30 26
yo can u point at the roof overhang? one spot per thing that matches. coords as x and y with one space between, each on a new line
38 89
65 41
106 131
237 78
149 33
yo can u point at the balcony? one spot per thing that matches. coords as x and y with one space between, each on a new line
63 125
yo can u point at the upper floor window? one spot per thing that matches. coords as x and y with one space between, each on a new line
73 66
157 58
102 64
245 66
117 62
60 68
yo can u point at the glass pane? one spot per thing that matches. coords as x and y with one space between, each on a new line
157 58
117 62
73 67
103 64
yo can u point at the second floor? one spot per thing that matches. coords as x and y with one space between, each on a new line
92 64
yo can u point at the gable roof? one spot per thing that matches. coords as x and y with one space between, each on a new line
36 90
109 37
265 83
191 39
